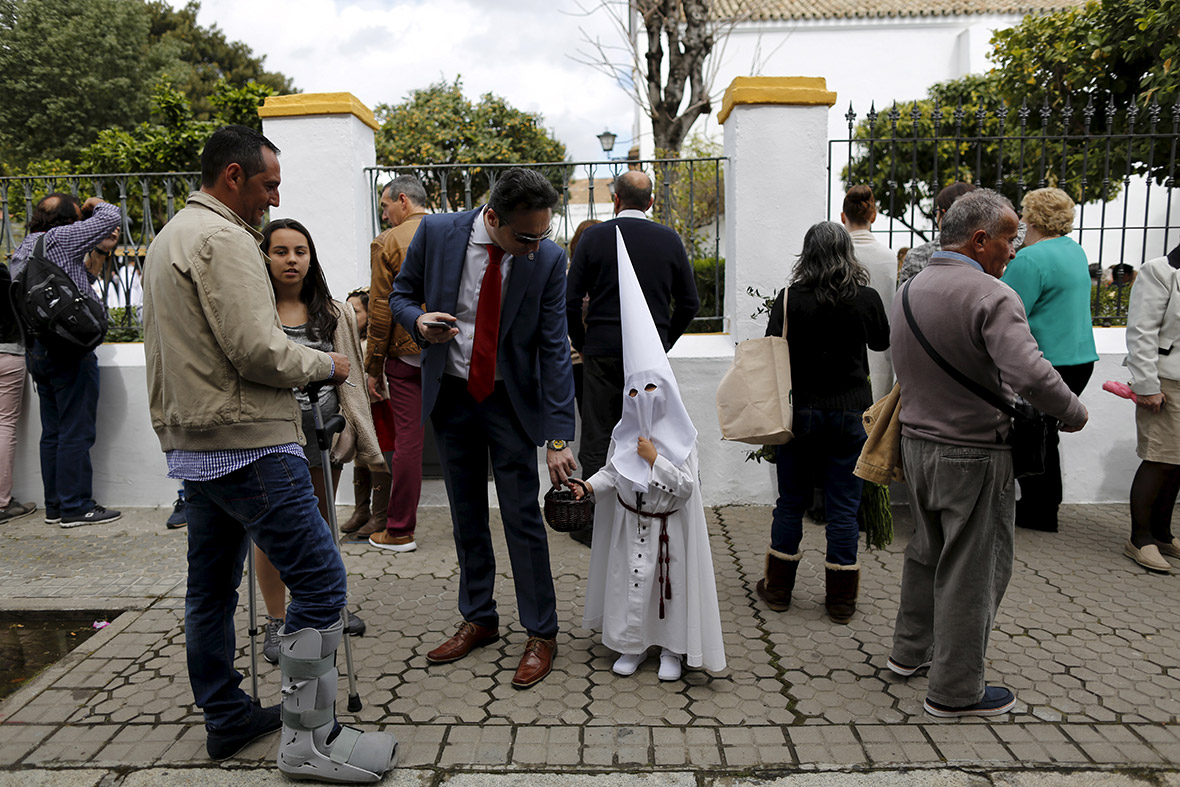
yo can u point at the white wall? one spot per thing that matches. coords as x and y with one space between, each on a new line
129 468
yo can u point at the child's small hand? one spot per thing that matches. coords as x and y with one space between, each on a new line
646 451
577 488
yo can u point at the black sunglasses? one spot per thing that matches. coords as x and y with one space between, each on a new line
527 239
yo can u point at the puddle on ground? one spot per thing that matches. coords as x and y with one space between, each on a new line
32 641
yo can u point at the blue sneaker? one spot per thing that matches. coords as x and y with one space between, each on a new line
177 518
996 700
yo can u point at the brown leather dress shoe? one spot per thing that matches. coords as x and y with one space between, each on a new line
468 637
535 663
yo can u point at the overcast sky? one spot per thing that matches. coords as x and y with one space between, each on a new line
379 50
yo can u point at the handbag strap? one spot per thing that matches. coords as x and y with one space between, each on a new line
983 393
786 292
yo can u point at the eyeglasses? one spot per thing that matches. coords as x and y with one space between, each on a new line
527 239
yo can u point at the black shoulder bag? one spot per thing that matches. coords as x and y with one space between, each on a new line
1029 435
52 309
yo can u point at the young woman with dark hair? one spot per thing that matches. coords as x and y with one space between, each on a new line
832 314
312 318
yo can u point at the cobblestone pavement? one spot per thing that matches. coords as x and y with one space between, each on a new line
1087 639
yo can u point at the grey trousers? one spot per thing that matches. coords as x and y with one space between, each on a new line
957 564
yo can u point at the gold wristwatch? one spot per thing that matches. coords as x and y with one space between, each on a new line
556 445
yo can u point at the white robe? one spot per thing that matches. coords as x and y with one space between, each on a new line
622 593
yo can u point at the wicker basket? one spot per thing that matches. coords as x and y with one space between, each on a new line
565 514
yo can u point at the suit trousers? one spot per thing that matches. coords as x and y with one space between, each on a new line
467 433
957 564
602 407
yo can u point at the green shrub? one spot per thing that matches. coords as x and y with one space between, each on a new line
709 275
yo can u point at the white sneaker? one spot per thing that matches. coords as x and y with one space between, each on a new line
669 665
627 663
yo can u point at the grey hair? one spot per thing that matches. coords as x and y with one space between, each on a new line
982 209
828 266
408 185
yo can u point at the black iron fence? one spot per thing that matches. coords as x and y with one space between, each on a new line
688 198
1117 162
147 200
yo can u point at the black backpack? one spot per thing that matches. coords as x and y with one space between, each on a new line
52 310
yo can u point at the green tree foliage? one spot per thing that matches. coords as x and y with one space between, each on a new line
202 57
173 142
1127 48
1060 107
67 69
72 68
438 125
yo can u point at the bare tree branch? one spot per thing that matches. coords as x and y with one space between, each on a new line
685 43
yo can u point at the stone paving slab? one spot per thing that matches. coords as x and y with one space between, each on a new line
1086 638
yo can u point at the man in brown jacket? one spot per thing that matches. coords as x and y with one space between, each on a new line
393 355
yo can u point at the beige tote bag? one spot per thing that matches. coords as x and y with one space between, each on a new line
754 397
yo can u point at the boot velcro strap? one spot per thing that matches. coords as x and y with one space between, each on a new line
303 669
344 744
309 719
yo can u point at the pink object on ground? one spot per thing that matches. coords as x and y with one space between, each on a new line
1120 389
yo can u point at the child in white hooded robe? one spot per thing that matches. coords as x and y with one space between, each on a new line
651 571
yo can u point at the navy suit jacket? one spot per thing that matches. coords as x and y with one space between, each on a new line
533 355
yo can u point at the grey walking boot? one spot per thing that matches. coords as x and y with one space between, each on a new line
776 587
313 745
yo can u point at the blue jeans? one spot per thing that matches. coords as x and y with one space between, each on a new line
67 387
824 452
269 502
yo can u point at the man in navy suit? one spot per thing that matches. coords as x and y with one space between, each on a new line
496 380
666 278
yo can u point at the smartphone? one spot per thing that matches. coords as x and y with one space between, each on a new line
438 323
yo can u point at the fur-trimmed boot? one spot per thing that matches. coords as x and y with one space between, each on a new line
775 588
362 480
842 585
380 510
313 745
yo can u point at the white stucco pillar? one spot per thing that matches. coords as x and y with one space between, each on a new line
776 134
326 141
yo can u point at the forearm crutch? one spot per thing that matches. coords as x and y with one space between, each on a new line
323 435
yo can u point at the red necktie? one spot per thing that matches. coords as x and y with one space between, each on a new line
481 377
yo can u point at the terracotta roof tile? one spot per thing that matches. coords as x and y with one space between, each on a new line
779 10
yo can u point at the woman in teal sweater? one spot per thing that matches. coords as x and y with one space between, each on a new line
1051 274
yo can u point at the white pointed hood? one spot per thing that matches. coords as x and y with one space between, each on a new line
657 414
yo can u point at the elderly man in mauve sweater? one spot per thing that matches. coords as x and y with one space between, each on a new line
957 465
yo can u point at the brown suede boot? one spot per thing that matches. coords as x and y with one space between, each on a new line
843 585
376 521
775 588
361 484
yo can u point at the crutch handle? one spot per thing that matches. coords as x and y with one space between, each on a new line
331 426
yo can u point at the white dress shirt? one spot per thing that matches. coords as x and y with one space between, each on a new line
474 266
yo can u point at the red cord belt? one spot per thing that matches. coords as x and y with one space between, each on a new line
663 562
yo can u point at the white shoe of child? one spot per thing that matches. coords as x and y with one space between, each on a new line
669 665
627 663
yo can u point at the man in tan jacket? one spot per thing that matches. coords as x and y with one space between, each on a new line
393 355
220 371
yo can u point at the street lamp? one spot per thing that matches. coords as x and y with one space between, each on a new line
607 140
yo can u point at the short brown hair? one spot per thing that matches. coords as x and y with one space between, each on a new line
1050 210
